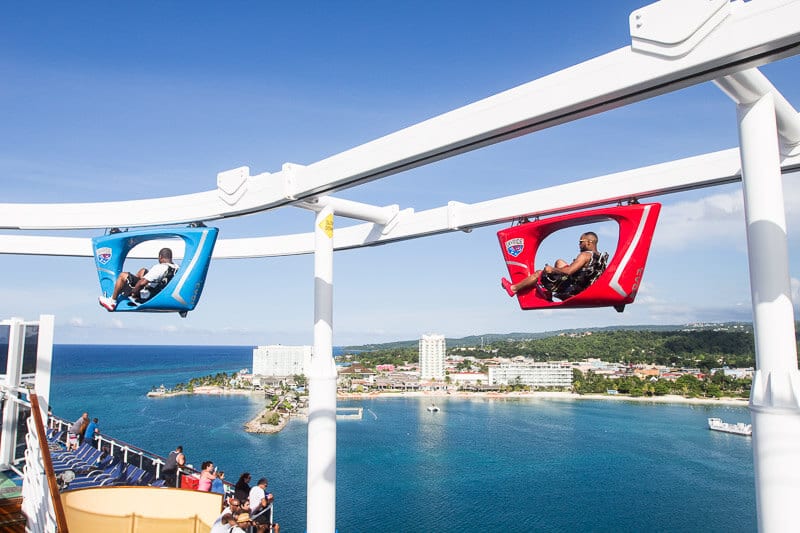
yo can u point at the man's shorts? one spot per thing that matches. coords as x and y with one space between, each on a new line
72 438
133 279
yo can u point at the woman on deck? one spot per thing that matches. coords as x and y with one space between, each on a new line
207 476
243 487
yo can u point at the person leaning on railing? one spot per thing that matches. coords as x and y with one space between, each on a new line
174 461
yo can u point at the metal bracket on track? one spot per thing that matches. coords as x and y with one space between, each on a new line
232 184
673 28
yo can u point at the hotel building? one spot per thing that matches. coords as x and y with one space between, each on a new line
552 374
431 357
281 361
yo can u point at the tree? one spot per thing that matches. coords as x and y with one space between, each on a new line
577 381
688 385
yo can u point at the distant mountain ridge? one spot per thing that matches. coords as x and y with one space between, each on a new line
488 338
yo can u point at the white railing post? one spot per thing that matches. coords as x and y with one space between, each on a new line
16 346
321 490
775 392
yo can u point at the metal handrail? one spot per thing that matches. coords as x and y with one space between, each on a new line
52 485
117 444
126 448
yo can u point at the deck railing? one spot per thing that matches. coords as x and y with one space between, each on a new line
41 502
128 453
148 461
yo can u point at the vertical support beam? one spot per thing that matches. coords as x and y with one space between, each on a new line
44 363
321 491
16 346
775 395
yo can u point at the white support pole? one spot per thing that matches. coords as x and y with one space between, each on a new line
16 346
44 363
775 394
747 86
321 490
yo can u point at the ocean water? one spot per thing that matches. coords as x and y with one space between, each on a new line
484 465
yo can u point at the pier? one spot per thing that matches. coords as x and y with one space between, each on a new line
349 413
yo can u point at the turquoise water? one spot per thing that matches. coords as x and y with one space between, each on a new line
483 465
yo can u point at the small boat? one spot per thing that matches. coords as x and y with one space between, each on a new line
740 428
433 408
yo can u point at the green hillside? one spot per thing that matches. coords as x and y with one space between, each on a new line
491 338
701 346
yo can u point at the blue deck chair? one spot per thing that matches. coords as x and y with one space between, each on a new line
82 450
98 480
85 462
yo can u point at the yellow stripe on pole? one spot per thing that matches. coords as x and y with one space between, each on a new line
327 225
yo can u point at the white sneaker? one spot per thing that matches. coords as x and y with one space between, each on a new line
108 303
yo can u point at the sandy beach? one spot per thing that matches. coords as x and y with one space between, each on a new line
255 425
669 398
206 389
541 395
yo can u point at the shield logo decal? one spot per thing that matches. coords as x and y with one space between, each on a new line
103 255
514 247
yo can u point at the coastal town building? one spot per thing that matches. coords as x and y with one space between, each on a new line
550 374
738 373
357 374
599 367
647 373
280 361
431 357
468 378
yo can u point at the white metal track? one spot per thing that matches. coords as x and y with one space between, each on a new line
754 33
701 171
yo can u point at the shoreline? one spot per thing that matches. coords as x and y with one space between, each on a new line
255 425
208 389
668 398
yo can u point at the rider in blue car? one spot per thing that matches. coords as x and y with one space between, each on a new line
144 284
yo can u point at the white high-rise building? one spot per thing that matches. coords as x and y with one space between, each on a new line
281 361
431 357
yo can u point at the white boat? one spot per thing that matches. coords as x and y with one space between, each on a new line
740 428
433 408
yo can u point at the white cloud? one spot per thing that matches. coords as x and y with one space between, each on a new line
717 217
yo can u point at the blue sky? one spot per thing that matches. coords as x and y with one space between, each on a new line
111 101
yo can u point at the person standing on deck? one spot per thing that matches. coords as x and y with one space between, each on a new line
259 501
207 476
74 432
217 484
243 487
174 460
92 430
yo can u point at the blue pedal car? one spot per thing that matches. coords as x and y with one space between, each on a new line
182 292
